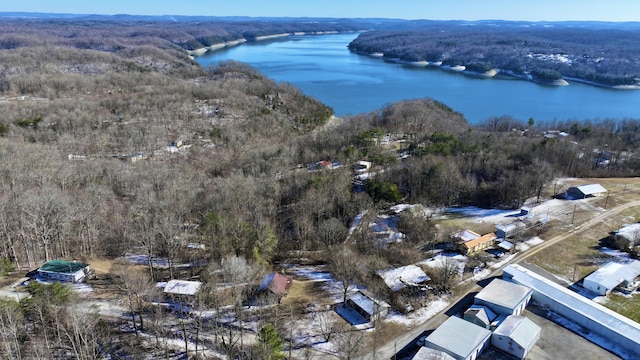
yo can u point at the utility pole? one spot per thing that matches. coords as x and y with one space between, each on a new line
574 213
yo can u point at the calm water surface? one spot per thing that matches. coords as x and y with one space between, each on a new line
322 67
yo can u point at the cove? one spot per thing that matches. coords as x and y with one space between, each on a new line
322 67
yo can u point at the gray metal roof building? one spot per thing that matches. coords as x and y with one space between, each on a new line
618 330
504 297
516 335
459 338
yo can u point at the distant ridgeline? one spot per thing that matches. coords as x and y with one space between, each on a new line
604 54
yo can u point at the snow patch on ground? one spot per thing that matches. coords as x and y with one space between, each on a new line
421 315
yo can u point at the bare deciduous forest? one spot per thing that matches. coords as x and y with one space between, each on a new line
114 141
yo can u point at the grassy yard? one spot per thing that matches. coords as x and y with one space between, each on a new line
628 306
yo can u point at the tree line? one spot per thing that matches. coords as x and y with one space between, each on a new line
602 55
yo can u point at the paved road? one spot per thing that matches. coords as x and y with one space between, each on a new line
407 339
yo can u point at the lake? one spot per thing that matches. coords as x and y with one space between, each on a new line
322 67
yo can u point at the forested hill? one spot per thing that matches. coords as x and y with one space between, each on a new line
114 34
603 53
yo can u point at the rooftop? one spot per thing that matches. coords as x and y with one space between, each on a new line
591 189
62 266
458 336
182 287
613 273
481 240
504 293
520 329
367 302
629 232
597 313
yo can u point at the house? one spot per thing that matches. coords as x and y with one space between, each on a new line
503 297
406 276
182 288
64 271
462 236
516 335
613 275
622 334
480 315
628 234
460 339
366 305
585 191
480 243
425 353
274 286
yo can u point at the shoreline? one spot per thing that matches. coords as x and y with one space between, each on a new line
204 50
493 73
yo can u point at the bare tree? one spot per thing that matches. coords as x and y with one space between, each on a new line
344 268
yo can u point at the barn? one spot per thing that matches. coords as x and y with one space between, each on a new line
585 191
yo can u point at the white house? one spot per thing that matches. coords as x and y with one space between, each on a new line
611 276
504 298
460 339
516 335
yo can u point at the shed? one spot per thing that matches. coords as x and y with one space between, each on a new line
611 276
425 353
366 305
480 315
460 339
503 297
585 191
65 271
406 276
516 336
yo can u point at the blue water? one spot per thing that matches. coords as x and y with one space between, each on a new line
322 67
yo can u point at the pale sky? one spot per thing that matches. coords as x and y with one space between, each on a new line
551 10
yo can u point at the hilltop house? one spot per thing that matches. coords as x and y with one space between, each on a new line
64 271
